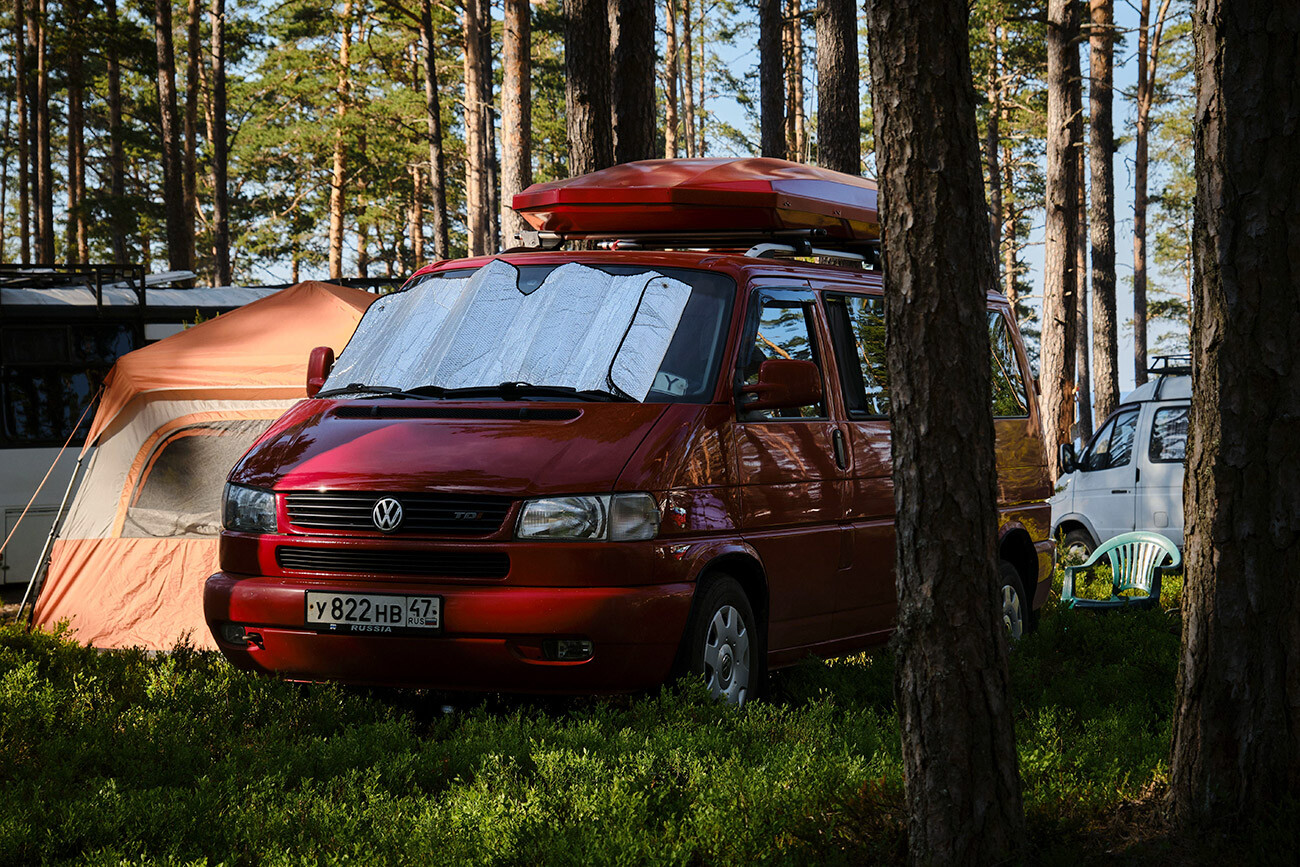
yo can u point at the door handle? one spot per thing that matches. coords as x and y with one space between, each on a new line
1119 491
841 453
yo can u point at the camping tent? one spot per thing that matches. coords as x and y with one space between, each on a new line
141 536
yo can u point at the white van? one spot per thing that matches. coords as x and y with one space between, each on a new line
1130 474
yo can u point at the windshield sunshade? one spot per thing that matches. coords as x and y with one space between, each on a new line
581 328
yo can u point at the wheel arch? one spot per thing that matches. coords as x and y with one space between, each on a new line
1017 548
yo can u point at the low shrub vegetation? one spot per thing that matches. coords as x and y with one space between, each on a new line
124 758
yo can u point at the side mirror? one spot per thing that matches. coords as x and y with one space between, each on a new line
1067 460
784 383
318 368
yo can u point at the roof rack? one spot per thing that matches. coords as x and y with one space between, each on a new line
769 244
92 277
1165 366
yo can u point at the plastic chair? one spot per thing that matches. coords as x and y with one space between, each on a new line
1135 564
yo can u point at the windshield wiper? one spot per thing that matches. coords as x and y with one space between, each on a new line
515 390
384 390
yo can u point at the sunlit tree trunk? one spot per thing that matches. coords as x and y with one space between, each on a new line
1060 303
220 150
1236 744
993 91
839 137
75 241
190 178
44 154
1105 349
173 170
415 218
338 179
117 147
671 79
959 752
433 121
516 116
688 81
1148 63
476 148
800 151
587 70
1083 386
701 78
632 56
771 99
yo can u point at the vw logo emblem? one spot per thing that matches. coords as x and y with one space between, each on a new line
387 514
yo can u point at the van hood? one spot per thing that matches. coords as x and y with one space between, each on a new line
517 448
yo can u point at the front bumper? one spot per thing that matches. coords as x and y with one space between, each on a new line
490 641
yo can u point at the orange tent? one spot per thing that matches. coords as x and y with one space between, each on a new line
141 536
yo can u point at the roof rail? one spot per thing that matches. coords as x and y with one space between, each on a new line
761 244
1165 366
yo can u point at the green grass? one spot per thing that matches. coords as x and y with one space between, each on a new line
119 758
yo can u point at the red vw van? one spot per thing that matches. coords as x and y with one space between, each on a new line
568 470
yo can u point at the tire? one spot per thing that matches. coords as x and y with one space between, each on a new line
1017 607
724 642
1078 545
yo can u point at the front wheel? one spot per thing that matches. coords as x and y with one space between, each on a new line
1078 546
724 642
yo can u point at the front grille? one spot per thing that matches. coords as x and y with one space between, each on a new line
422 514
445 564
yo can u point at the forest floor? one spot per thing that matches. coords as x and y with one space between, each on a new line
118 757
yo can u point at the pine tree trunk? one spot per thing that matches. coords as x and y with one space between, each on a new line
632 55
516 116
1060 303
787 57
671 77
796 77
1147 62
220 151
1083 425
587 70
1105 347
4 169
476 218
771 99
701 115
75 246
173 187
839 137
117 147
44 154
433 119
992 141
20 107
491 161
191 161
1236 753
959 753
688 82
339 176
415 218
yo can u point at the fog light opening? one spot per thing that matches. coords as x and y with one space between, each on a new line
567 650
234 633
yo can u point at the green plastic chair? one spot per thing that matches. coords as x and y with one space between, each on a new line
1135 563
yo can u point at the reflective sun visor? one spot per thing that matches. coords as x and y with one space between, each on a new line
581 328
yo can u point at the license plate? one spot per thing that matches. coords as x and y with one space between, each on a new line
380 613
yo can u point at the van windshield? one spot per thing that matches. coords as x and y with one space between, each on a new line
543 331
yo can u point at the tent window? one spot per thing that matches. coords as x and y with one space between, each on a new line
179 492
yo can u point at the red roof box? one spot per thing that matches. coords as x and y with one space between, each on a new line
762 196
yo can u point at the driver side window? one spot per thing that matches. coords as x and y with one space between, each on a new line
785 330
1113 446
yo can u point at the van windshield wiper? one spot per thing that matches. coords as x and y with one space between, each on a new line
514 390
384 390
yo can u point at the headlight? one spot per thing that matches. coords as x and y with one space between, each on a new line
613 517
248 510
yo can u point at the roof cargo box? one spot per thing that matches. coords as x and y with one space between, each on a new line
752 196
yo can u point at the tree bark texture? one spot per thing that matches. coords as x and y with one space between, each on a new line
516 115
190 178
338 177
632 55
1148 64
477 65
701 78
20 107
1083 386
173 189
959 754
44 154
587 69
688 81
220 151
993 91
839 136
771 93
117 147
799 130
1236 745
1058 359
672 76
1101 159
75 242
433 121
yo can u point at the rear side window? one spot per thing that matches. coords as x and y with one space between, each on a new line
858 327
785 330
1009 399
1169 435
